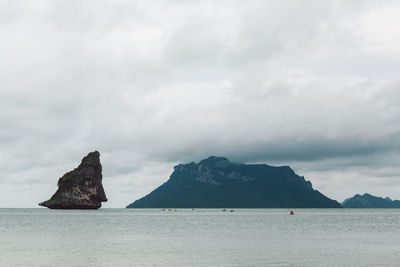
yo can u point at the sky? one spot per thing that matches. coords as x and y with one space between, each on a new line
150 84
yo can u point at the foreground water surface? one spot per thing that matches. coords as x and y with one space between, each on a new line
201 237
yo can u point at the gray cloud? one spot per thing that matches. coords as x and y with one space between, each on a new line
311 85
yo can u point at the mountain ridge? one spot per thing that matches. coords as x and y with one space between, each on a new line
215 182
369 201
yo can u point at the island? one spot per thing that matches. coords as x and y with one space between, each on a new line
370 201
216 182
81 188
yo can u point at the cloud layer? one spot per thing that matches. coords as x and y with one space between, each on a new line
312 85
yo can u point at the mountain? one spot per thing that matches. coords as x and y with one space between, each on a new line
370 201
217 183
80 188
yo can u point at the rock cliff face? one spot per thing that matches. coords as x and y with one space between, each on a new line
80 188
215 182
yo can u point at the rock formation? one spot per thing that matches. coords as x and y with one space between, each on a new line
80 188
215 182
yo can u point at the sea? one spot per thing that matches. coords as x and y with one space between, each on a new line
200 237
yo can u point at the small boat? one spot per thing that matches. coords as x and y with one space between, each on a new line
223 210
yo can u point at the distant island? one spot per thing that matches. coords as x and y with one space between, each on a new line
215 182
80 188
370 201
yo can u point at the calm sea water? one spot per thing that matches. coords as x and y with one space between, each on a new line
203 237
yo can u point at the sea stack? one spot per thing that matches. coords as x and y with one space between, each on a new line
80 188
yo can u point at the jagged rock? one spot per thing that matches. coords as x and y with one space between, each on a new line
216 182
80 188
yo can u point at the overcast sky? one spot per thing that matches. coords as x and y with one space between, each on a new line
150 84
